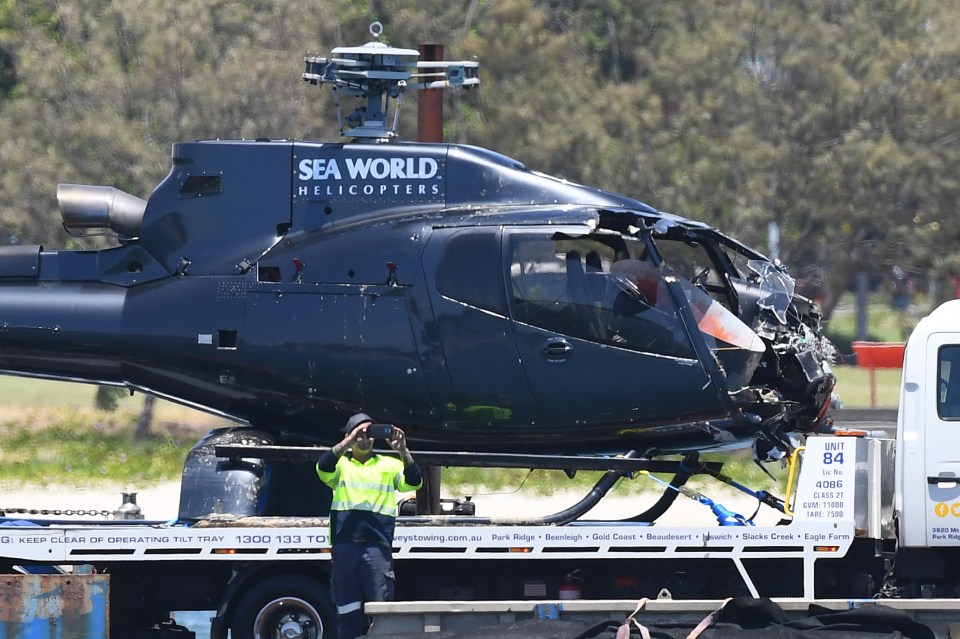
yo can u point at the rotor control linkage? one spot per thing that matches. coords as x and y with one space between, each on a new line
378 72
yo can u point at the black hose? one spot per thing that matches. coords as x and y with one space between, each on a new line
688 468
591 499
574 512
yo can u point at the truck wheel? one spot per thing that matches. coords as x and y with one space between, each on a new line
291 607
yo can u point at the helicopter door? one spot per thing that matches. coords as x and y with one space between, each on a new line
465 280
591 314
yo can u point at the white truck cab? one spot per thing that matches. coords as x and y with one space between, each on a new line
928 433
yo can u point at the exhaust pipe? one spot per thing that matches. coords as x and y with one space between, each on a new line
85 207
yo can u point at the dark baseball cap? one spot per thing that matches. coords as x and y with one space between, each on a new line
355 421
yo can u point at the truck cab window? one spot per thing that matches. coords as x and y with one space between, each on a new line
948 395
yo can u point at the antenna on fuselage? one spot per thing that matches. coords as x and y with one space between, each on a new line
379 73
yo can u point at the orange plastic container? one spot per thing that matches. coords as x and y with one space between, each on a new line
874 355
879 354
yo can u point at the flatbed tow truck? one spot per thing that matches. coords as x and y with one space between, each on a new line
866 518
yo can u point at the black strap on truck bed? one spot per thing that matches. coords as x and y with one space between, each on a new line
740 617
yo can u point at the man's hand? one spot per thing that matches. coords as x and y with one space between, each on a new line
398 442
349 439
355 434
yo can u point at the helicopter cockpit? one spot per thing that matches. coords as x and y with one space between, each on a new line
605 288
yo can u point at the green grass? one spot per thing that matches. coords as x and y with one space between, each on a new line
853 386
24 391
50 433
883 324
23 397
69 448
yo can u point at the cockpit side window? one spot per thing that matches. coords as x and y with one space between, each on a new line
469 270
739 261
692 262
598 288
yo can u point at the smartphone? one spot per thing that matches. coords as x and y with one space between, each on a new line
380 431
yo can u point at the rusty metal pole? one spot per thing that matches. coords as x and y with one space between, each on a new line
430 101
430 129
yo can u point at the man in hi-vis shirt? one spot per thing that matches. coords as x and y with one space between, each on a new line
363 514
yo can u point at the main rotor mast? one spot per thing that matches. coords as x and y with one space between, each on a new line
379 73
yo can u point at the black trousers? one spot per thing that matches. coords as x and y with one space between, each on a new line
361 573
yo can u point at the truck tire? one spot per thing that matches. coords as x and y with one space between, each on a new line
284 606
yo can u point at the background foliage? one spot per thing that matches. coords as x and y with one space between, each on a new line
834 118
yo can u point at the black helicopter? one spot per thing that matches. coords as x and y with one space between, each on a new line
480 305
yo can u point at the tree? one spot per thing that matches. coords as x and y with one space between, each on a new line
832 118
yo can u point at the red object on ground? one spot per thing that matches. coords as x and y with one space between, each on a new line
879 354
874 355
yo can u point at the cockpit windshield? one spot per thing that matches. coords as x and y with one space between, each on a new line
776 288
604 288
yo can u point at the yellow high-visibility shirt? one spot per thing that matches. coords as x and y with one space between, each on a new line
365 498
